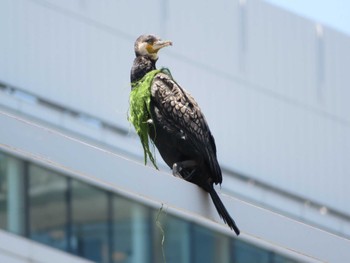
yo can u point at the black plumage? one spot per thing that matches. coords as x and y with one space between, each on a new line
178 127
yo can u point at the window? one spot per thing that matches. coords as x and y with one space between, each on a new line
131 231
48 218
104 227
209 246
89 222
3 192
247 253
176 246
12 201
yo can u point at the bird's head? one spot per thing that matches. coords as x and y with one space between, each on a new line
149 45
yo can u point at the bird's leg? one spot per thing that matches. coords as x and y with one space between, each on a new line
188 175
180 166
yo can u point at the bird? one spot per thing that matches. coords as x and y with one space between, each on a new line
175 123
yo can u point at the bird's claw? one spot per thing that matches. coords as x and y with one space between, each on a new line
176 170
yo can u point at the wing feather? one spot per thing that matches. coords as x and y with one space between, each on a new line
182 112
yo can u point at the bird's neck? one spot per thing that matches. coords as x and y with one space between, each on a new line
142 65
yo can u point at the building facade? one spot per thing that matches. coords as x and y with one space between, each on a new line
273 87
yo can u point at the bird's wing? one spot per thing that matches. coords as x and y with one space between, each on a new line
183 113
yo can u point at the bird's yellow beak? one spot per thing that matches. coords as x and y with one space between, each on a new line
159 44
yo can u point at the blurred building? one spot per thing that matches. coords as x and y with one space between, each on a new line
273 86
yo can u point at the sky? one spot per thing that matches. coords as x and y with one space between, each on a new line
331 13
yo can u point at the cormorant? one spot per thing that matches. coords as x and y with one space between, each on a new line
177 126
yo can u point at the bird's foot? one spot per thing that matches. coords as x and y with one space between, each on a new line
178 169
188 175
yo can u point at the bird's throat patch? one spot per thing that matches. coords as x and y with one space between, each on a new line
150 49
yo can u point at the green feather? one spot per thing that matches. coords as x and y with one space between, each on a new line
139 112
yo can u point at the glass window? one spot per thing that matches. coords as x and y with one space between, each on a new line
3 192
247 253
48 207
209 246
12 194
104 227
176 235
89 222
132 241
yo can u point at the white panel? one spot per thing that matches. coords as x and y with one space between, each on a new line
11 259
68 58
277 141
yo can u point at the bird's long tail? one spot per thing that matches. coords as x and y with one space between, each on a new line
222 211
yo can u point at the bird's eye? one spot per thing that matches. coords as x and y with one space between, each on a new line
149 40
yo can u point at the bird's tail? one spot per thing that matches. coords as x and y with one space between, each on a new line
222 211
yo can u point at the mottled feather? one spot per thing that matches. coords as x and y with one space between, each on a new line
182 113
